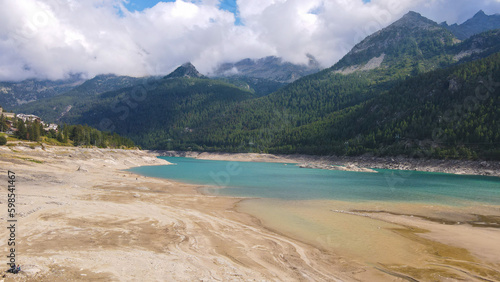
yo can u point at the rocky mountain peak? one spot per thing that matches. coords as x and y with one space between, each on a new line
480 14
413 20
186 70
402 39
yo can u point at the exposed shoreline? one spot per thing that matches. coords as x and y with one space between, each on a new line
84 218
362 163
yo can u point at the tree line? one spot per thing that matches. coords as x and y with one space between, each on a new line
78 135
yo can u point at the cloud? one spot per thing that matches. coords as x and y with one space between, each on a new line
54 38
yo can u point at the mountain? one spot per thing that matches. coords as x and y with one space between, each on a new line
54 108
477 46
446 113
150 111
106 82
186 70
411 44
259 87
265 75
18 93
409 89
334 112
270 68
477 24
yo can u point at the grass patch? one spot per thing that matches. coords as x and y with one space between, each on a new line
30 160
53 142
9 137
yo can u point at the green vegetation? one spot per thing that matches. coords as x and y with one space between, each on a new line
451 113
259 87
83 135
78 135
170 107
30 160
3 140
437 114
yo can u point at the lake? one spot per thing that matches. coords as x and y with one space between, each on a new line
289 182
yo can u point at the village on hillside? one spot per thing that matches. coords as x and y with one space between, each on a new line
9 122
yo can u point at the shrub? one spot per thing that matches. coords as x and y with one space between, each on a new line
3 140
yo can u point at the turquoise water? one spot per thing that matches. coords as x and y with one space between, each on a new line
289 182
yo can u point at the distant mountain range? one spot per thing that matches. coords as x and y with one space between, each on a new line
265 75
477 24
270 68
14 94
406 89
260 76
18 93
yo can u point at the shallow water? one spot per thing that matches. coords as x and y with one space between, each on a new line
289 182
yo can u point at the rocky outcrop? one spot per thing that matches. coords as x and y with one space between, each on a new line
347 167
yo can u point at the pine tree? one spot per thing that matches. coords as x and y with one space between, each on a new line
36 131
66 137
3 124
60 137
21 129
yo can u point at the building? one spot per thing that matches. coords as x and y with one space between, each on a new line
31 118
51 126
6 114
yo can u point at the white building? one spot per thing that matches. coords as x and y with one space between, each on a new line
25 118
5 114
51 126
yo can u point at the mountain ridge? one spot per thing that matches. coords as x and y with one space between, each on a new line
185 70
480 22
413 36
270 68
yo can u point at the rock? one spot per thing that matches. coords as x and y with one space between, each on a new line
81 169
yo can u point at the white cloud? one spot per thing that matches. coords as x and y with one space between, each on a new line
53 38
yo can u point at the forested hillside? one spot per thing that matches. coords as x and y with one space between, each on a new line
171 107
451 113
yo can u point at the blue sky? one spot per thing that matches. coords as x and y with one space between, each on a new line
228 5
139 5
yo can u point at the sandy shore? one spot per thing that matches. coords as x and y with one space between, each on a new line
362 163
81 217
416 242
